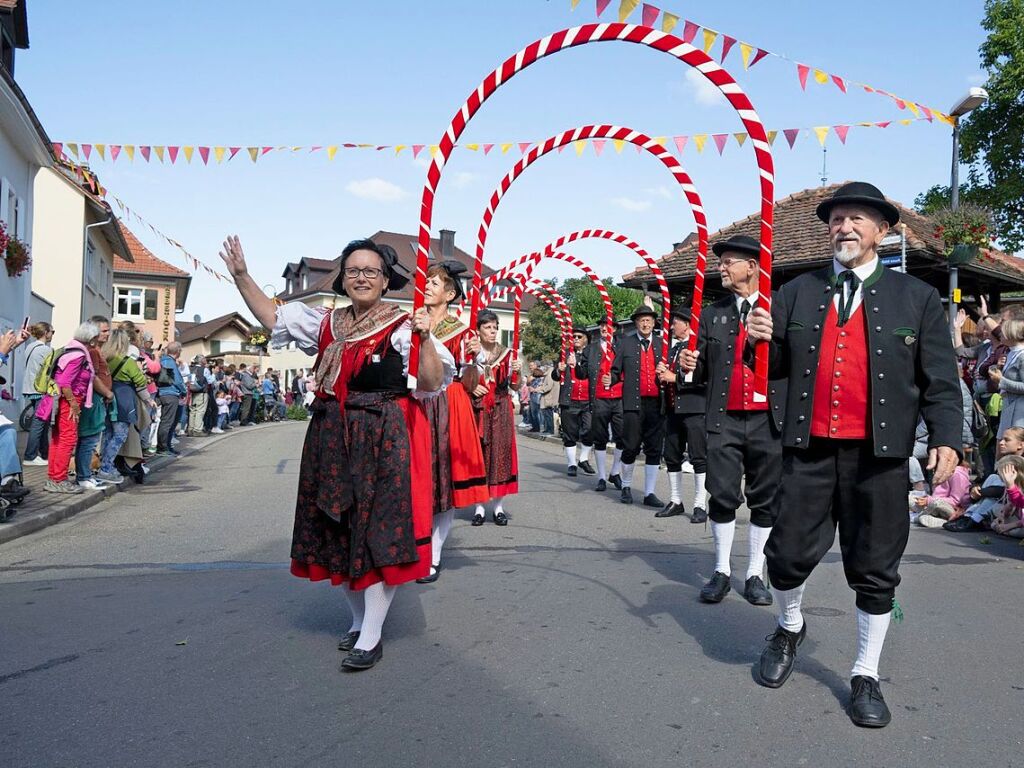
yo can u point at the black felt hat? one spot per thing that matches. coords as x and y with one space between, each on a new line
859 193
683 314
397 275
454 269
643 311
579 329
748 246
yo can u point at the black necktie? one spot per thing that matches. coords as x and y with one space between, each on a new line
846 303
744 311
646 344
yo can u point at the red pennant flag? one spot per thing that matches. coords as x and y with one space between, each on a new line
559 149
601 5
649 15
58 148
927 113
900 103
234 151
115 150
720 139
416 149
523 146
353 146
791 134
886 124
868 88
841 131
727 44
802 70
204 152
599 143
266 149
840 84
87 150
681 143
689 32
144 151
172 152
488 148
758 56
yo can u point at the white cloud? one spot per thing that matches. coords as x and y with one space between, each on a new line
376 189
629 204
703 90
423 161
463 179
660 191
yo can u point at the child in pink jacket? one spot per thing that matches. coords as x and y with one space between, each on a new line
948 500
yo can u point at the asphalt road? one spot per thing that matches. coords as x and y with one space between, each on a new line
162 628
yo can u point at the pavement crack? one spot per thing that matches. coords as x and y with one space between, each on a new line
39 668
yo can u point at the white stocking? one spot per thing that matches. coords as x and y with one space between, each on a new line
723 534
700 494
357 605
442 527
616 460
871 629
570 456
585 453
497 505
758 538
675 483
627 475
789 600
650 478
378 600
602 464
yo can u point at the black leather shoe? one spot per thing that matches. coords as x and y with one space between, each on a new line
671 510
626 496
963 524
779 655
616 481
756 592
571 472
700 515
585 466
358 660
348 641
434 575
601 486
716 589
478 519
867 707
500 518
650 500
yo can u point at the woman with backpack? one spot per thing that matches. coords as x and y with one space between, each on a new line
38 446
129 381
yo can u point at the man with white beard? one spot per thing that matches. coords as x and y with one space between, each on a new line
864 350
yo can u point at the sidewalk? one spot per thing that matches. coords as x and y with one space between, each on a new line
41 509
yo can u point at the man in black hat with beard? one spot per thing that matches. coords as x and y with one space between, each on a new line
743 429
574 403
685 430
643 420
865 349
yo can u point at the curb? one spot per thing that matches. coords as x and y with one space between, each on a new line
56 512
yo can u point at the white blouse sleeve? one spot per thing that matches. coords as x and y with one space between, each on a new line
300 324
401 340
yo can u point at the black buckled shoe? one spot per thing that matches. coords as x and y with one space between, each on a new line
601 486
671 510
963 524
867 707
626 496
650 500
779 655
716 589
434 575
348 641
478 519
585 466
615 480
756 592
358 660
500 518
571 472
700 515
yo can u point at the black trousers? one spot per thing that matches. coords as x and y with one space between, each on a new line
575 423
605 413
841 484
746 448
644 428
686 432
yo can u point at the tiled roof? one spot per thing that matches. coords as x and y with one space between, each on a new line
188 332
799 238
145 263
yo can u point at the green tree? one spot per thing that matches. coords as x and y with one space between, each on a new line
541 334
586 303
937 198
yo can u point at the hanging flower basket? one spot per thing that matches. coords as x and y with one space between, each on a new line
16 253
964 232
258 339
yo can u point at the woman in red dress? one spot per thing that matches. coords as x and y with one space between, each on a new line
363 512
460 479
493 403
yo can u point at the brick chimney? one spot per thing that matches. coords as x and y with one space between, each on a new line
447 243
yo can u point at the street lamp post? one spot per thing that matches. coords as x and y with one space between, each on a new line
974 99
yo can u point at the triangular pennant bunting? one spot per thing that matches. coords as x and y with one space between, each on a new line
580 146
709 39
130 151
472 147
87 151
618 144
626 7
745 51
253 153
720 139
398 148
668 22
505 148
74 148
820 77
234 151
332 151
740 138
115 150
821 131
758 56
204 153
598 146
159 153
488 148
601 5
172 152
802 70
523 146
841 131
416 149
771 137
188 149
727 44
700 140
265 150
218 153
791 134
649 15
689 31
144 151
840 83
680 143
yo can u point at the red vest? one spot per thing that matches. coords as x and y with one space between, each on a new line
580 387
741 384
648 381
841 408
614 392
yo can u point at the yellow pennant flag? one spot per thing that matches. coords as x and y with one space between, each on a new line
73 147
668 21
821 131
472 147
821 77
906 121
573 4
102 149
913 108
626 7
740 138
188 150
745 50
699 139
159 153
218 152
332 151
399 148
130 151
253 153
709 39
580 146
661 141
771 137
505 148
299 149
619 144
434 149
866 125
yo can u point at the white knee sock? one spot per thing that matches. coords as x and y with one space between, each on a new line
357 605
627 475
789 601
570 456
479 511
871 629
650 478
700 494
758 537
616 460
585 453
675 485
497 505
723 534
602 464
442 527
378 600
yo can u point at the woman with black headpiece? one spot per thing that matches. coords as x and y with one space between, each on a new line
363 512
493 403
460 479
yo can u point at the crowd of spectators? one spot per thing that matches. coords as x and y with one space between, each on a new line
538 399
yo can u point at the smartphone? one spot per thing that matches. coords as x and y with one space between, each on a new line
24 326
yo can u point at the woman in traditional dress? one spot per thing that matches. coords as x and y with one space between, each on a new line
460 479
493 403
363 512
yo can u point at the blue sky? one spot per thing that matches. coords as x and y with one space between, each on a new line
319 72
